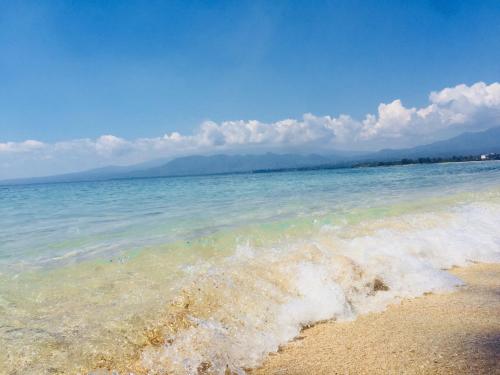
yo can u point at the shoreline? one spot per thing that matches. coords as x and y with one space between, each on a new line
451 333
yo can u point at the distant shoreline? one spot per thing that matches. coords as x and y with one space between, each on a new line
374 164
428 160
368 164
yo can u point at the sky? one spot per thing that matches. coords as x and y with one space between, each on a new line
85 84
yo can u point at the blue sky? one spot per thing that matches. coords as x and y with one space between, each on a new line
75 70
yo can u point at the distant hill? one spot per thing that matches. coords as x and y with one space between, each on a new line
98 174
217 164
194 165
465 144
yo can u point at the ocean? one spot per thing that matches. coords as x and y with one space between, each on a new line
208 274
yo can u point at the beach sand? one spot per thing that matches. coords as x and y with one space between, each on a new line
454 333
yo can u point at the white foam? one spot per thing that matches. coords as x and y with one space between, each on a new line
250 303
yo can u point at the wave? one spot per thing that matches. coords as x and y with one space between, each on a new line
231 313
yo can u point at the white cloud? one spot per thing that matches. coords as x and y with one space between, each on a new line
393 121
16 147
449 112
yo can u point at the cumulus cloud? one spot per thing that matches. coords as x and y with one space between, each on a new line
461 107
16 147
450 111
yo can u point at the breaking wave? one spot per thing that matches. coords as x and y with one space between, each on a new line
229 314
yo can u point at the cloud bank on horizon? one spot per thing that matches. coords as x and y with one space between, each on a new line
450 112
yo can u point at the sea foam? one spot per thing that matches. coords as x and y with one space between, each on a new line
229 315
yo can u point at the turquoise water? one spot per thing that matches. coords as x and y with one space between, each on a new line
177 274
46 224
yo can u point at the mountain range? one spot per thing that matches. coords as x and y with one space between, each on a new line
464 144
487 141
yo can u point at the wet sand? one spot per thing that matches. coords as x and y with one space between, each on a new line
454 333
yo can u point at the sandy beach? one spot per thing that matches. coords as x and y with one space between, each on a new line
455 333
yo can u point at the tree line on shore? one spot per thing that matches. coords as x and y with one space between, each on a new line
429 160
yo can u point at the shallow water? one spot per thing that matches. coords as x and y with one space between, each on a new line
191 274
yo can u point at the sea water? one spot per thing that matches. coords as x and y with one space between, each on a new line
208 274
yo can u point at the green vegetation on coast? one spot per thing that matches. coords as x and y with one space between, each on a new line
453 159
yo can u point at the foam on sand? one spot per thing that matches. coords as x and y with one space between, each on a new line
229 315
